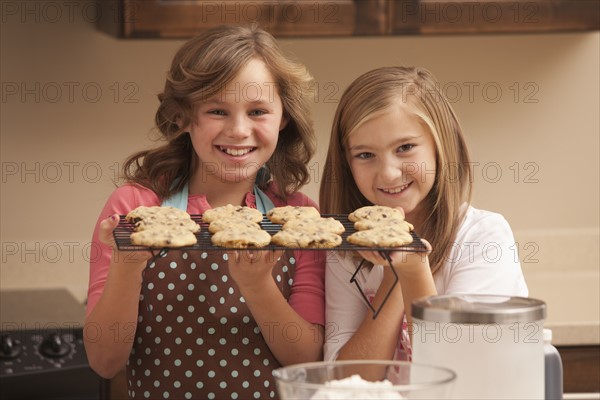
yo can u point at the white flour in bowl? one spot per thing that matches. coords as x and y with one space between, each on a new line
359 389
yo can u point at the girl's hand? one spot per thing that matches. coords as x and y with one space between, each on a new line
404 263
252 268
105 235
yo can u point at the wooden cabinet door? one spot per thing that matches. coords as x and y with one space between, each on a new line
492 16
283 18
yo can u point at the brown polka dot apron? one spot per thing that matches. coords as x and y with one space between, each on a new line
196 337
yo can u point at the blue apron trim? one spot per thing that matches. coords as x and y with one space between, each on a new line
263 202
180 200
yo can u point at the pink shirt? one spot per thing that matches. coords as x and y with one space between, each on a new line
308 295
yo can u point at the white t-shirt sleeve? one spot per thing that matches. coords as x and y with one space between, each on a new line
484 258
345 308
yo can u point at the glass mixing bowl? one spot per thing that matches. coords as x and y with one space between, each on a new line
361 379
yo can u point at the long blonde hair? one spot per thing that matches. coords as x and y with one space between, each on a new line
201 68
373 92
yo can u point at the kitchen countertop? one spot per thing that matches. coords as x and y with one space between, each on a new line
575 334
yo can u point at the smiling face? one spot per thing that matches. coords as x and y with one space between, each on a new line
392 157
235 131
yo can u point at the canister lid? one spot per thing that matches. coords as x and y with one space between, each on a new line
476 308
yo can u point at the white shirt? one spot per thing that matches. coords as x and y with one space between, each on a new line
483 259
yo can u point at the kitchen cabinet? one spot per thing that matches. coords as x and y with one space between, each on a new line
180 19
581 368
343 18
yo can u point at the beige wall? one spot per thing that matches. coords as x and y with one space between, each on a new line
75 102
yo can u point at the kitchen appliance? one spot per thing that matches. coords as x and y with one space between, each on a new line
495 344
42 354
363 379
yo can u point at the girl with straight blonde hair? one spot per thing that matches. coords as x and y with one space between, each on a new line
396 142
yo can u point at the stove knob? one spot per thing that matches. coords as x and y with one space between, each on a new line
53 346
10 348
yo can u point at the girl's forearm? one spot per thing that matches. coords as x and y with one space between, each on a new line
290 337
377 339
110 327
416 284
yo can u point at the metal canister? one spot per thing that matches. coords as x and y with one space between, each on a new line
494 343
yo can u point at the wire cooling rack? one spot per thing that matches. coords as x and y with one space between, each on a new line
125 228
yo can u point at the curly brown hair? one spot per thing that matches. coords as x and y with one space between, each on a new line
201 68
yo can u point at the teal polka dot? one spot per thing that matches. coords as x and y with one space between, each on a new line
173 265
